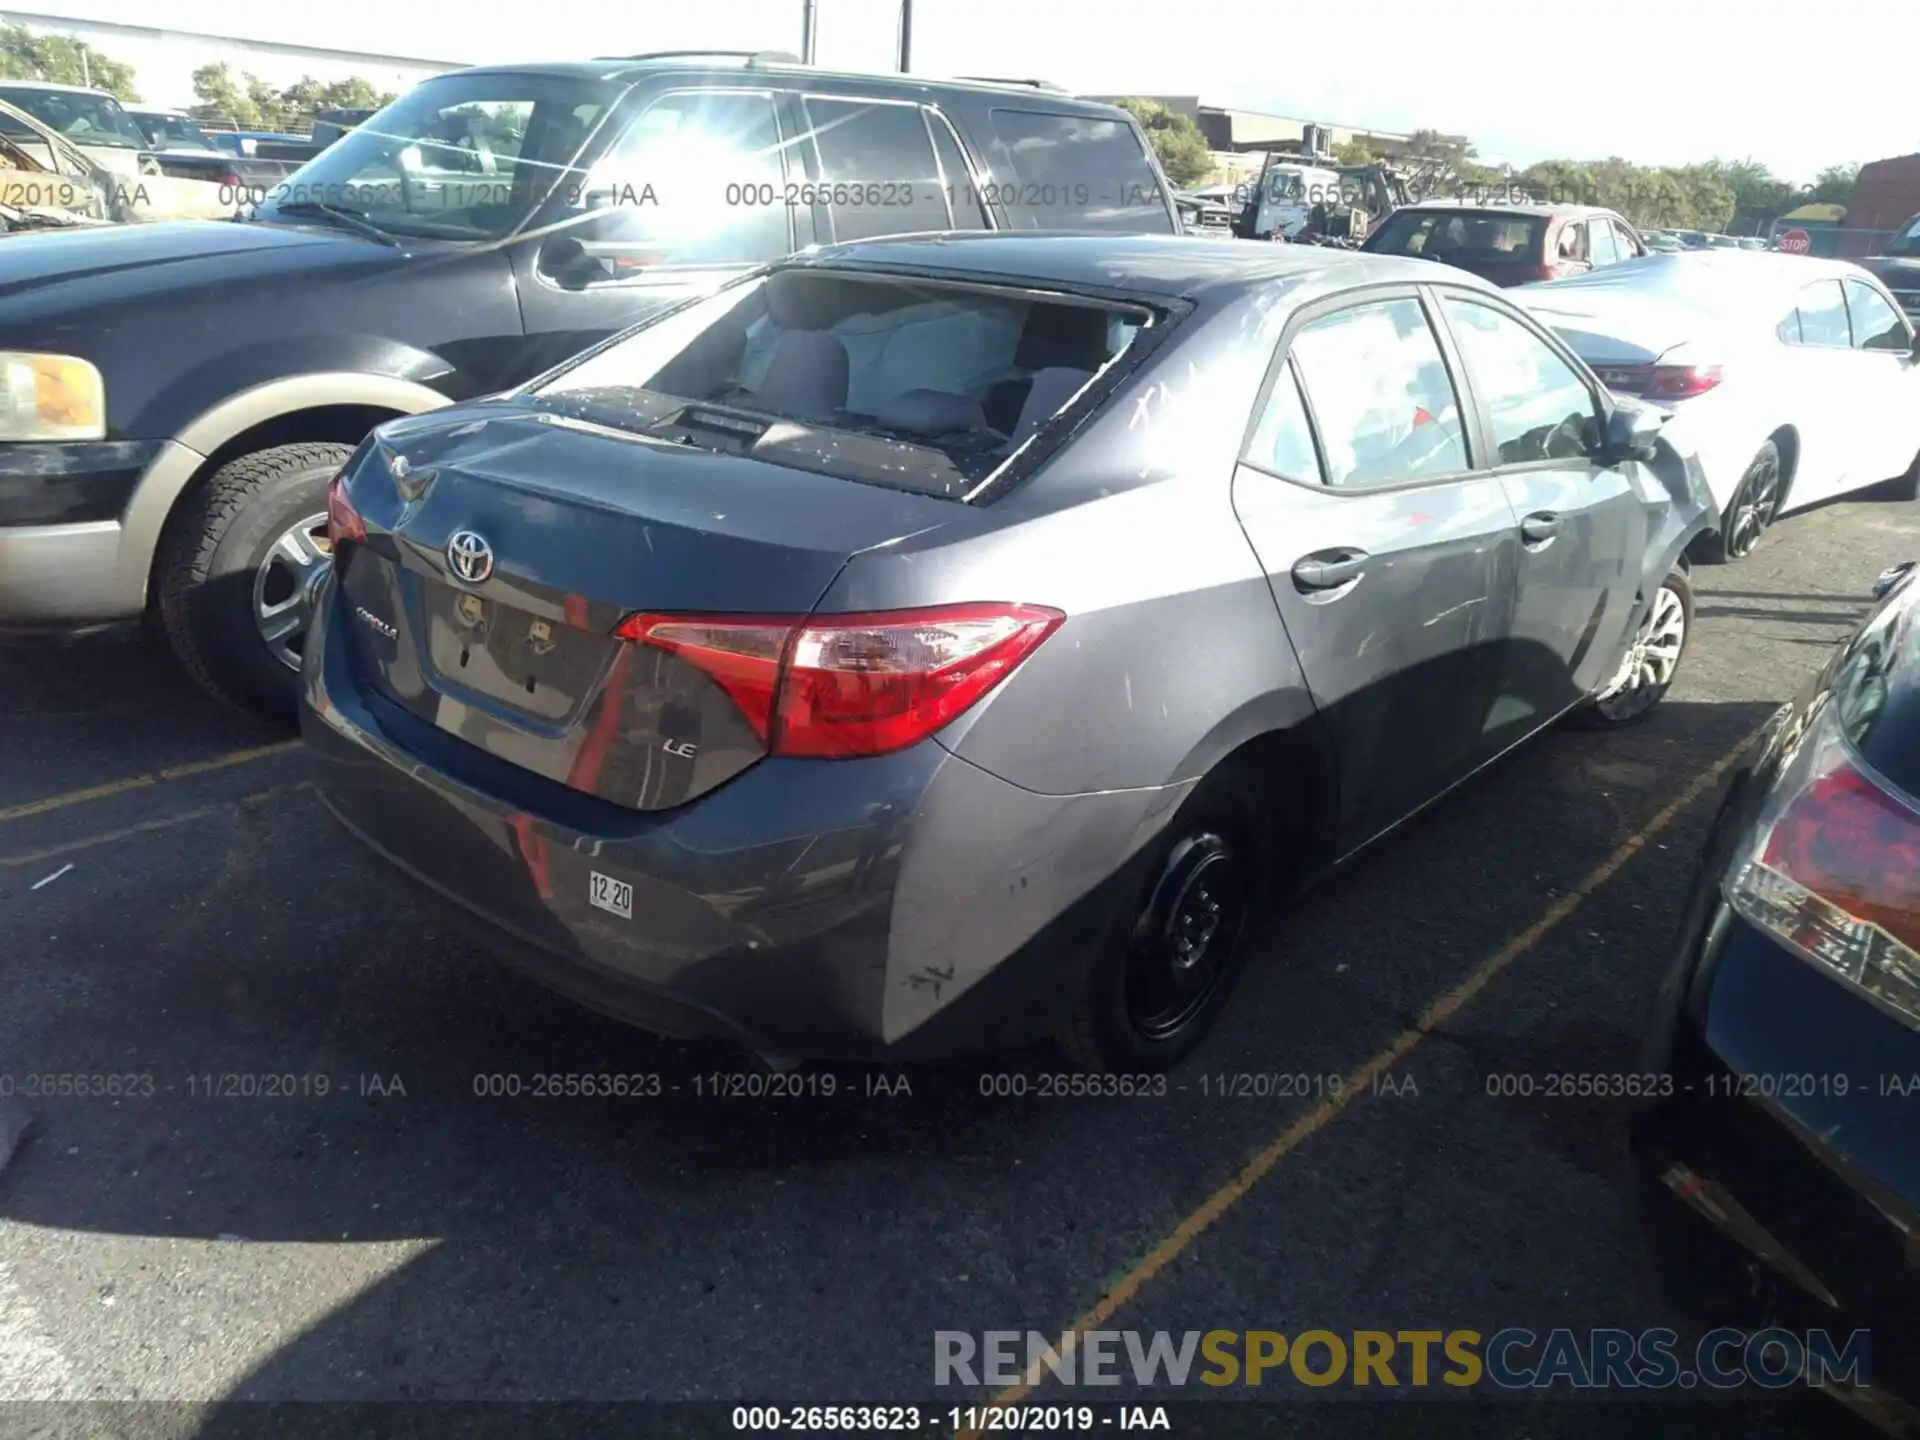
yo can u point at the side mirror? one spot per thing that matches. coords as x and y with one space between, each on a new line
1632 433
1891 577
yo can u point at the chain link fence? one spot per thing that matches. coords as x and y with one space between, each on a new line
1834 242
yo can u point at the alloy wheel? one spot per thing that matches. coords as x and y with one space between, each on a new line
1184 939
1650 663
286 585
1754 506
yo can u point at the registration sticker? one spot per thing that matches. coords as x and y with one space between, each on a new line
611 895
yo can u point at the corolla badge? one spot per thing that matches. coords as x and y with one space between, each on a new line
373 620
469 556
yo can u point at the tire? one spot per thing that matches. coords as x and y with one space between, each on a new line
1905 487
220 561
1144 1008
1755 503
1645 674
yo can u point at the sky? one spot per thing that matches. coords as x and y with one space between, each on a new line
1655 81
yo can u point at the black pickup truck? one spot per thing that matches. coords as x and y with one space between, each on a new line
1898 266
181 394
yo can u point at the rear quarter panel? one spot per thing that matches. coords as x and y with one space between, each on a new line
1173 652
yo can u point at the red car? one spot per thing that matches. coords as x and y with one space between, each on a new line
1509 244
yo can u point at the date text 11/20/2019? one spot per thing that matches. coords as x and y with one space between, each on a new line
955 1419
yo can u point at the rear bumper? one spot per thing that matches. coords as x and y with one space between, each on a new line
904 906
1790 1115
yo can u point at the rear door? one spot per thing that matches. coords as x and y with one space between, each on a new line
1887 411
883 167
1603 246
1391 557
1824 379
1582 524
692 192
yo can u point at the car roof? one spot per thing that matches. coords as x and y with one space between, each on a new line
10 84
1734 281
1152 267
629 69
1727 268
155 110
1515 207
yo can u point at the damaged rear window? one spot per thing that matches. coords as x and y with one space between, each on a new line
915 384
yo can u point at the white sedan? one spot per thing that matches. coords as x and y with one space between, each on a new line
1795 379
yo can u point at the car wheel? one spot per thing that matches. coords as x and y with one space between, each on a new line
238 572
1907 487
1755 503
1159 984
1646 671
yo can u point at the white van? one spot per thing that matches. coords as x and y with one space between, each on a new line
1288 193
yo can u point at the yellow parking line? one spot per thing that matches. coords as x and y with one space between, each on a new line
1361 1080
127 832
141 782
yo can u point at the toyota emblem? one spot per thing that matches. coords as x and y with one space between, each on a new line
470 557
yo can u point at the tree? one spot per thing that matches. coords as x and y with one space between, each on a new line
62 60
252 104
1832 186
1354 152
1177 141
1441 165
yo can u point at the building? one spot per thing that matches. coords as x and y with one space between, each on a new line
1886 194
164 59
1231 132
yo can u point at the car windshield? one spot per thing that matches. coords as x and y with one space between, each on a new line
462 157
83 117
1905 241
173 132
1285 185
1470 235
907 383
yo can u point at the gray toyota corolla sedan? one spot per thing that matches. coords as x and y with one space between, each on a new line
938 643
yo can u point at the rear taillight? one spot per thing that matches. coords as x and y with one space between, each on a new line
343 521
1681 382
1542 272
834 686
1834 873
230 180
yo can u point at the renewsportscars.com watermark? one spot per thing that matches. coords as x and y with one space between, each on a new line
1511 1359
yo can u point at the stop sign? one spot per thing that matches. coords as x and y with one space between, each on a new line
1796 242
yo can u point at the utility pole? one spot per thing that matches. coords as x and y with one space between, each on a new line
808 29
906 36
86 70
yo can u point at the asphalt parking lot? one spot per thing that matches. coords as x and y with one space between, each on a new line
404 1237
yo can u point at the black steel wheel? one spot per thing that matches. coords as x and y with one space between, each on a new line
1162 980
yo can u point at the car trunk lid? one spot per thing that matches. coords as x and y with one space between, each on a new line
503 552
1621 337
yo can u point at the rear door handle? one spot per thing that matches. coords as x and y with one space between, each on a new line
1329 569
1540 527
